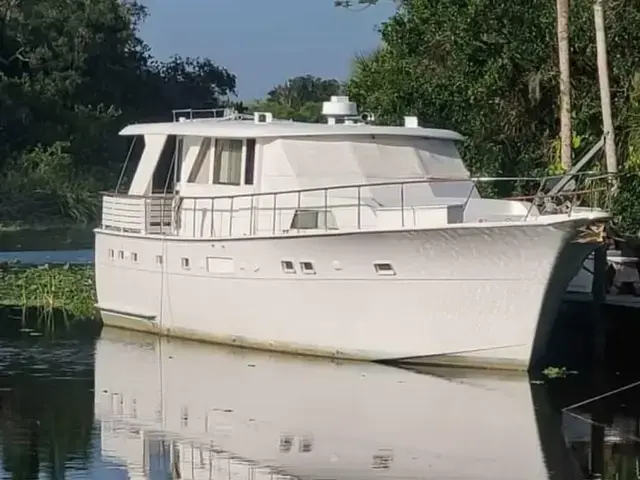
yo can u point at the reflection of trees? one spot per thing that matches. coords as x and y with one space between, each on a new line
46 405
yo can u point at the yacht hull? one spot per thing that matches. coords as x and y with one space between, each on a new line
479 296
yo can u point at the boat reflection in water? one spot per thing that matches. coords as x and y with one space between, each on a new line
178 408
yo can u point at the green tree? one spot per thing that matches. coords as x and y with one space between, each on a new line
73 73
299 98
489 70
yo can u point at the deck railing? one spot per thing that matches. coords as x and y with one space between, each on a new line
382 205
138 214
207 113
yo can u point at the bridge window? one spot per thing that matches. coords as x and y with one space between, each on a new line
228 161
201 168
249 161
164 175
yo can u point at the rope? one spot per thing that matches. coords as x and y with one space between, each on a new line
599 397
126 161
172 171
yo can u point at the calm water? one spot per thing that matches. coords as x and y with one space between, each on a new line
49 256
134 406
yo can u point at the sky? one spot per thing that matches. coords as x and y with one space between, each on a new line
265 42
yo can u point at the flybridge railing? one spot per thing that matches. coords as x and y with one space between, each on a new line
382 205
207 113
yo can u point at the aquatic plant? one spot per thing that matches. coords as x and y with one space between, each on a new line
55 291
557 372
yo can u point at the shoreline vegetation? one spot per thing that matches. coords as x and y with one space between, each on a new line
60 294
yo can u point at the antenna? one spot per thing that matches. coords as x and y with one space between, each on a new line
340 110
367 117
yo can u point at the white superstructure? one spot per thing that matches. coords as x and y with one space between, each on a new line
342 239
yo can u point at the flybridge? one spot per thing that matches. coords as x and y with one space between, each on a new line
189 114
221 114
339 110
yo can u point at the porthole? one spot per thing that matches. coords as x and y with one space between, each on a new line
384 268
287 266
307 267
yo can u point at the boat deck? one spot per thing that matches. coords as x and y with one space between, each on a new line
628 301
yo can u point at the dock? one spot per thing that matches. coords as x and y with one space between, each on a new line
611 299
614 276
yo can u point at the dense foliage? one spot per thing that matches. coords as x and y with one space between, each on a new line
489 70
72 73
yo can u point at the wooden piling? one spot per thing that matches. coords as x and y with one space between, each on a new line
599 297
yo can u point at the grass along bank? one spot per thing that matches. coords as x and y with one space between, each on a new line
53 290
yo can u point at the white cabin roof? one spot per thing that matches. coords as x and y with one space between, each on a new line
279 129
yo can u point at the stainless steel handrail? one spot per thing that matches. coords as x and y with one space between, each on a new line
417 181
323 204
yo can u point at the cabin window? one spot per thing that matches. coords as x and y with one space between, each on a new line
159 259
286 442
134 257
228 161
120 255
111 254
306 445
250 161
313 219
185 263
178 159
